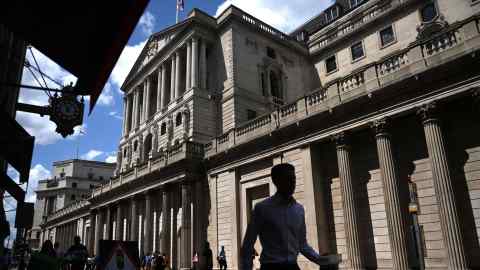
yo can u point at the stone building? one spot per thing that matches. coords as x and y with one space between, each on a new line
375 103
72 181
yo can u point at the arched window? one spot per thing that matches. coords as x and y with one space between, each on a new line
148 146
178 119
163 128
275 87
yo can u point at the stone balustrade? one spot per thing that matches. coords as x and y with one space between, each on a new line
174 154
458 40
264 27
68 209
368 15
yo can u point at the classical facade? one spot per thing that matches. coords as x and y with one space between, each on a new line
72 181
375 103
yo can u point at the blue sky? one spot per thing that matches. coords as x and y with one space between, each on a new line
102 129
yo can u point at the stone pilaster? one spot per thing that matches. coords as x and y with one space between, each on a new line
165 234
118 223
391 189
172 78
147 244
188 76
442 181
125 109
203 64
160 89
186 225
194 62
350 210
128 116
133 220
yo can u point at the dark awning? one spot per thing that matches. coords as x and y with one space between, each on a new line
84 37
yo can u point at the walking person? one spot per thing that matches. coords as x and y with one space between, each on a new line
207 253
279 222
77 255
46 259
195 261
222 259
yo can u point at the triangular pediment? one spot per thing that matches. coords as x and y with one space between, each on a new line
155 44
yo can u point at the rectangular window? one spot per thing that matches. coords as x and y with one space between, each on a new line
387 36
331 64
357 51
251 114
331 14
354 3
271 53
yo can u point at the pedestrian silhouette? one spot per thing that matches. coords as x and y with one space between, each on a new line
222 259
207 253
279 222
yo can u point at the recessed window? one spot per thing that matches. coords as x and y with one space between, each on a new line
74 185
178 120
428 12
72 197
251 114
331 64
163 129
90 175
331 14
271 53
101 178
92 186
354 3
357 51
124 151
135 146
387 36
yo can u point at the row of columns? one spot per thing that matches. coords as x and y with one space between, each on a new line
64 234
137 107
449 218
151 220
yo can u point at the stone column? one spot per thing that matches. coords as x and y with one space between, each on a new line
194 62
203 64
99 231
188 78
146 93
137 108
143 117
391 189
442 182
350 212
147 244
164 86
186 226
125 108
108 219
165 240
118 223
128 116
134 109
172 78
177 74
134 221
159 89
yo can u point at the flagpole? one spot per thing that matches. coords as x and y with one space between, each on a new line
176 21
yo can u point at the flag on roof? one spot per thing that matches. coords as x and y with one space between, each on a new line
180 5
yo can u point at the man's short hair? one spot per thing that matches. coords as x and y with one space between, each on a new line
279 171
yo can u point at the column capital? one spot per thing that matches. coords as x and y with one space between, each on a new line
428 112
380 127
341 139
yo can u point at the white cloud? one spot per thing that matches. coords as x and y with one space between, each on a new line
111 159
125 63
92 154
106 98
116 115
38 172
285 15
43 129
147 23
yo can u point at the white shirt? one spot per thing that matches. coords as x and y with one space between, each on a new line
280 224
